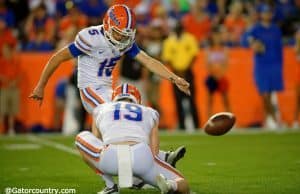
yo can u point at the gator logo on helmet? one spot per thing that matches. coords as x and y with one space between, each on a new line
112 16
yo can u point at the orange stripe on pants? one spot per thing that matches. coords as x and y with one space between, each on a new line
94 95
168 167
87 155
87 145
87 100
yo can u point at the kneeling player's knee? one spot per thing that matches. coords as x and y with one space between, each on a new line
80 140
77 142
81 136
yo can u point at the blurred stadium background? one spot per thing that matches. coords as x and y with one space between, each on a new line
31 30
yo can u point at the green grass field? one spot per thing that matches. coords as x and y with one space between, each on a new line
235 163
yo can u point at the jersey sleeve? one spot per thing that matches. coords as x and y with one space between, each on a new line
245 39
253 33
154 115
85 41
133 51
74 50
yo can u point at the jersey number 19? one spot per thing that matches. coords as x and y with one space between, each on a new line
132 112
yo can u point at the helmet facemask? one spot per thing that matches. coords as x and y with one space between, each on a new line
120 39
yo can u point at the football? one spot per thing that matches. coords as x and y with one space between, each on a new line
219 124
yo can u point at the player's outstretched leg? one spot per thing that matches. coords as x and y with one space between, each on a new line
165 177
171 157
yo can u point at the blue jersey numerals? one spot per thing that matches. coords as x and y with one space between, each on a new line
132 112
94 32
107 66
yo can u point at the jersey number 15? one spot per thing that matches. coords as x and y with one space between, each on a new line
107 66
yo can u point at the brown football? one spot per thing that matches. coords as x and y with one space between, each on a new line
219 124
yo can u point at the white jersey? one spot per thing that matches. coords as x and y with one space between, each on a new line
124 121
96 57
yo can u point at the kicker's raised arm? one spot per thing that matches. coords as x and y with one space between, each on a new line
158 68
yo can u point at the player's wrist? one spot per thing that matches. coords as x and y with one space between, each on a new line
174 79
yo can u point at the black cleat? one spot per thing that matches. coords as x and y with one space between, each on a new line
173 156
138 185
112 190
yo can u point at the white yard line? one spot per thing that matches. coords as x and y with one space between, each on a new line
52 144
22 146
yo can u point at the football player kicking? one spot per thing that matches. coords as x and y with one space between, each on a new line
98 48
124 121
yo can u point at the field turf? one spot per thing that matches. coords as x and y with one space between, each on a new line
251 163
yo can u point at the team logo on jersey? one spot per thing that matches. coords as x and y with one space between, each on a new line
113 16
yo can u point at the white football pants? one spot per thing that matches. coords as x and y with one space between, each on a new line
105 161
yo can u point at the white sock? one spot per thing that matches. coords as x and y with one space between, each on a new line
162 155
109 182
173 184
274 101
